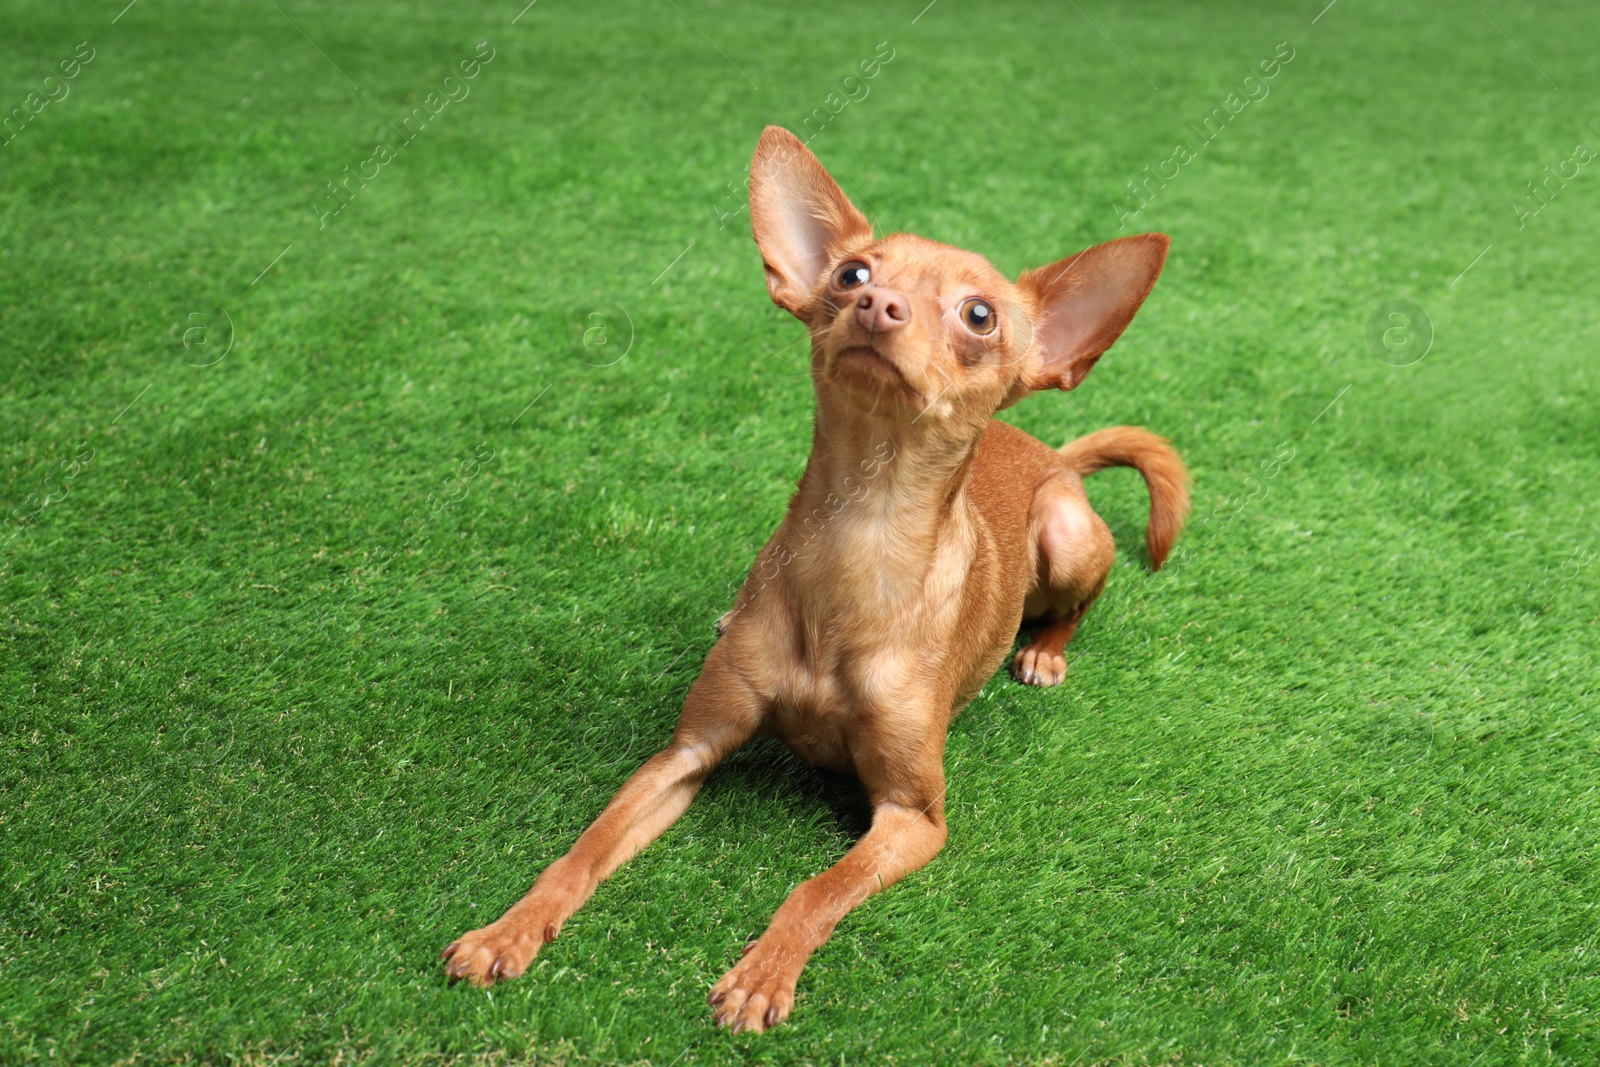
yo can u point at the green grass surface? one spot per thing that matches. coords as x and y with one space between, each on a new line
289 697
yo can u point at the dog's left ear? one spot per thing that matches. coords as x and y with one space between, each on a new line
1083 304
799 217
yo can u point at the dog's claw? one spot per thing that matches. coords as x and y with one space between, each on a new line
748 945
758 993
549 933
449 950
498 952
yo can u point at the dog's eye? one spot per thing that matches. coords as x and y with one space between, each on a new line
978 315
852 275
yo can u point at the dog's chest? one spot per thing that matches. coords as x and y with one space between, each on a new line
829 700
864 613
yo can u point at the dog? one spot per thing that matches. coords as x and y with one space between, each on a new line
922 534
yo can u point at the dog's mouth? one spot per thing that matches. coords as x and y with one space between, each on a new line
865 365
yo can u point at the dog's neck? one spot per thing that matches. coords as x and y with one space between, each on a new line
918 466
883 496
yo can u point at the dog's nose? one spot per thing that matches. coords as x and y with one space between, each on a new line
882 310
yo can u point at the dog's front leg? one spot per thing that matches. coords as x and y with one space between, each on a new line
719 715
908 830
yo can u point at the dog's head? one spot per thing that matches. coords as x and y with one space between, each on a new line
935 331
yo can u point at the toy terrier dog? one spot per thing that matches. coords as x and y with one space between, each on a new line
922 534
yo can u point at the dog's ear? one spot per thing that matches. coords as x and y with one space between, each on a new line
799 217
1083 304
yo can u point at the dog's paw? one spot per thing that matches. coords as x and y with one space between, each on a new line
1039 667
722 622
500 950
758 993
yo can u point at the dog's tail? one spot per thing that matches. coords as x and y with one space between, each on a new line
1164 475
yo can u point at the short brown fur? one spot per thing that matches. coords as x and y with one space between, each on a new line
922 534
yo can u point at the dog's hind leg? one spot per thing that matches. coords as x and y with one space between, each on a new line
1075 554
719 715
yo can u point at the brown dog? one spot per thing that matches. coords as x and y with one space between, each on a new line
923 532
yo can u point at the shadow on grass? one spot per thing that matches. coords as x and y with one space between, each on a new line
765 769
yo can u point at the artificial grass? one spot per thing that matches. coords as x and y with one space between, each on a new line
331 645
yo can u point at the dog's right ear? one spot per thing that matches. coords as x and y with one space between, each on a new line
799 217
